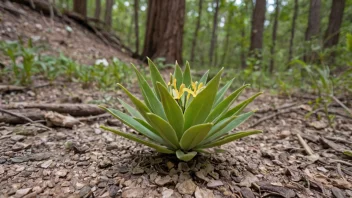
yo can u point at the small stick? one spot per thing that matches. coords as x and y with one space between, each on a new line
342 105
338 168
16 115
340 161
270 116
90 118
337 139
306 147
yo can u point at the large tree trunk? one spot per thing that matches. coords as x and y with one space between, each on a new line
97 9
80 7
313 19
332 33
227 36
194 41
108 14
164 31
293 27
213 35
272 48
258 19
136 24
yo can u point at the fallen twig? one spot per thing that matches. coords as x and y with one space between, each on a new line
270 116
340 161
16 115
312 156
90 118
338 139
342 105
339 171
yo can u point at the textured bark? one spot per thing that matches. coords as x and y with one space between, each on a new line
313 19
194 41
227 37
293 28
258 19
136 24
97 9
332 33
80 7
274 33
164 31
108 13
213 35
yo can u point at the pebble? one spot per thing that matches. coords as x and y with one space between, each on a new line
137 171
214 183
203 193
114 191
167 193
46 164
65 184
133 192
19 159
1 170
18 138
187 187
85 191
170 165
161 181
22 192
61 173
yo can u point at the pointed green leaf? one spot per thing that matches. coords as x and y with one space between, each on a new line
230 138
224 105
178 75
135 138
204 78
233 124
129 121
141 107
185 157
156 76
131 110
221 93
146 125
149 96
194 135
348 153
187 78
173 111
200 107
220 125
238 108
164 129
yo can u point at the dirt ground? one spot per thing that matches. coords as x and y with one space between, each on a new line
87 162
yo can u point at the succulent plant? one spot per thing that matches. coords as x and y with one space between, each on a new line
181 116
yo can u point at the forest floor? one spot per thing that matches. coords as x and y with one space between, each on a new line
87 162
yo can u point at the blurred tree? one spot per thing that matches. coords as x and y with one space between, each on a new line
164 31
293 28
80 7
332 33
313 28
97 9
258 19
272 48
136 25
195 37
108 13
213 35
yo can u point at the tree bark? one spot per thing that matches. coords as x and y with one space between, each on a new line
136 24
227 36
194 41
164 31
80 7
97 9
258 19
313 19
293 28
108 14
213 35
332 33
274 33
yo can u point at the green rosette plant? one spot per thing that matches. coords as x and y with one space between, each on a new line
181 116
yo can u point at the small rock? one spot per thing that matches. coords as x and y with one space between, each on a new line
182 166
183 177
19 159
137 171
39 26
322 169
200 174
167 193
214 183
40 156
46 164
123 169
105 163
247 192
203 193
170 165
248 179
61 173
112 146
2 160
22 192
284 134
65 184
337 192
1 170
114 191
19 146
161 181
133 192
18 138
318 125
187 187
86 190
79 185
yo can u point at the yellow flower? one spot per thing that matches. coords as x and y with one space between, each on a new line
178 93
196 89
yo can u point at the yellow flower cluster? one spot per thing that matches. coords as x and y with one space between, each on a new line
178 93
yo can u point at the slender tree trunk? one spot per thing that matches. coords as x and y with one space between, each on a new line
258 19
243 52
80 7
108 13
97 9
194 41
136 24
227 37
293 28
332 33
213 35
313 27
164 31
272 48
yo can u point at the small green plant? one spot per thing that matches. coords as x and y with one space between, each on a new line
183 117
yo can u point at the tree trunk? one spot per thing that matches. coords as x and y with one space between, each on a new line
331 37
97 9
194 41
272 48
164 31
213 35
313 27
80 7
258 19
227 36
136 24
293 27
108 14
